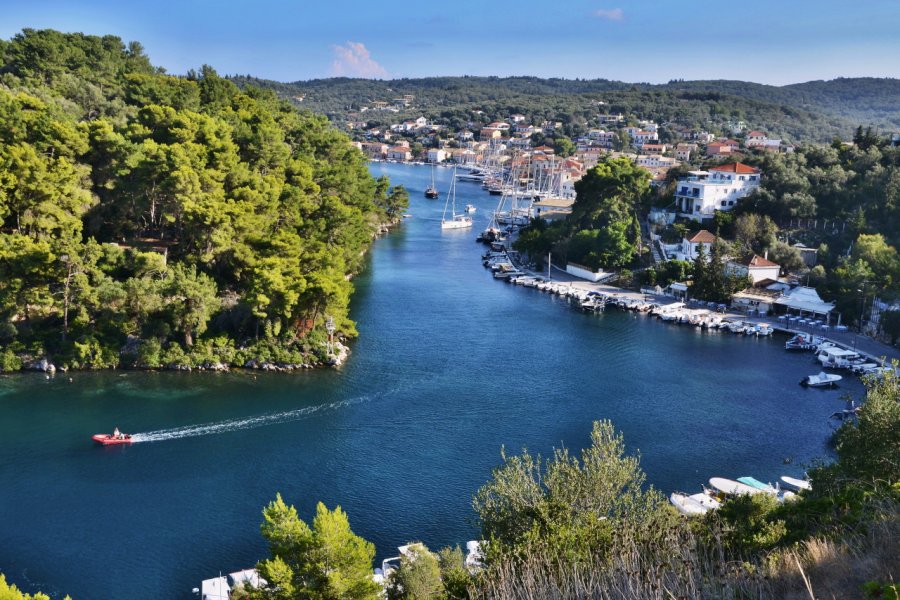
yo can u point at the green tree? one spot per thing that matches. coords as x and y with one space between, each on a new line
191 299
418 577
324 562
786 256
568 505
454 574
563 146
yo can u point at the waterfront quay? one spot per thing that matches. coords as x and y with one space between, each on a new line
864 345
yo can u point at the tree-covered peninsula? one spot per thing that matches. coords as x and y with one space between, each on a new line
149 220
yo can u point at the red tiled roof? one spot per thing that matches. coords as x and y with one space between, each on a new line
702 237
759 261
756 134
739 168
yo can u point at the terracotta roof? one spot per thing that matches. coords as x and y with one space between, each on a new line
739 168
759 261
756 134
702 237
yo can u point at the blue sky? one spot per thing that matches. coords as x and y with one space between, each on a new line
768 41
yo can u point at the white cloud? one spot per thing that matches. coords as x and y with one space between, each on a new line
610 14
354 60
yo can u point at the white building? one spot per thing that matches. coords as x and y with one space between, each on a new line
704 192
757 268
437 155
690 247
654 161
401 153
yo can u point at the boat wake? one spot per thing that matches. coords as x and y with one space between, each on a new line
228 425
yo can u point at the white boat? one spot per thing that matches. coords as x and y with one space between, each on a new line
470 208
836 357
823 379
756 483
455 221
763 329
802 341
695 504
795 484
732 488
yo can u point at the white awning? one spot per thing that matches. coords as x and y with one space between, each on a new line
214 589
805 299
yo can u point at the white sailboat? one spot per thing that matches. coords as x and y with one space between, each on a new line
455 221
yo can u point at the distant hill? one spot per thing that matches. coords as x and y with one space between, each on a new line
863 100
813 111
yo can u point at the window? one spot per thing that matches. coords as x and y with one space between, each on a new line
723 203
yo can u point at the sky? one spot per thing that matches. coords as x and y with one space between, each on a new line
766 41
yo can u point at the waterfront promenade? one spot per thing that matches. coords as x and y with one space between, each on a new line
863 344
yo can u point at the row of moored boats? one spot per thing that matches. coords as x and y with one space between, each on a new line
835 357
721 489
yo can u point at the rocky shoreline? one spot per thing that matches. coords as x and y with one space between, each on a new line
342 352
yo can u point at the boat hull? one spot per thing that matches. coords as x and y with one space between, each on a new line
731 487
106 439
795 484
456 224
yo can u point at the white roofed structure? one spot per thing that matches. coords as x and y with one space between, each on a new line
216 588
251 576
805 300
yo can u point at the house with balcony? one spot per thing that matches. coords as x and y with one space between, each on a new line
702 193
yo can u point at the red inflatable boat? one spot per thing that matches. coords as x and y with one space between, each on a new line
108 439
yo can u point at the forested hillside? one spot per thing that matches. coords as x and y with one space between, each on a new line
814 111
148 220
865 100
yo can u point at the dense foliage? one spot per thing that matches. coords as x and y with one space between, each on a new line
603 230
179 213
842 199
11 592
588 526
324 562
814 111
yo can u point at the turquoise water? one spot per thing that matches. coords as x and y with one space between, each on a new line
450 366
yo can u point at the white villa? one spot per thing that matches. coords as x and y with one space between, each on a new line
704 192
690 247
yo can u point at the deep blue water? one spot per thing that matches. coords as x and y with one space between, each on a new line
450 365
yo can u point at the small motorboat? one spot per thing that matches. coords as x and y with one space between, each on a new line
823 379
431 193
756 483
795 484
470 208
695 504
111 439
732 488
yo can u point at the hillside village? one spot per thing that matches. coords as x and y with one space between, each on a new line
698 176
